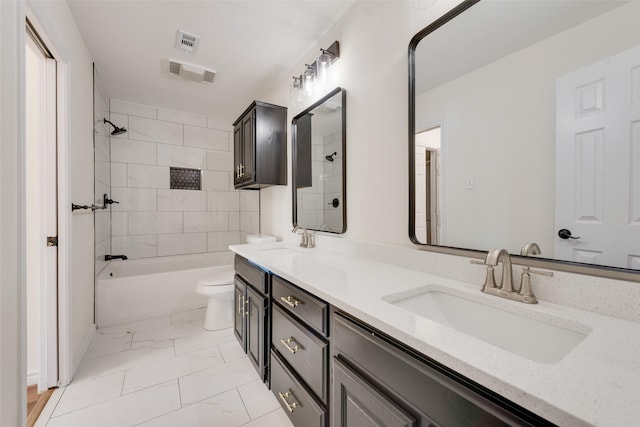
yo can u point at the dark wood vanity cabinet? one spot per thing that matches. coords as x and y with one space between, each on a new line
300 353
379 382
260 146
251 320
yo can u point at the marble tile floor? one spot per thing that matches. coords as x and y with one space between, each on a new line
164 372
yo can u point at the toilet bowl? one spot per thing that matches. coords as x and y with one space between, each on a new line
218 287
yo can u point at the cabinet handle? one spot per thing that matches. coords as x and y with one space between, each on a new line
246 303
293 349
241 170
290 301
290 406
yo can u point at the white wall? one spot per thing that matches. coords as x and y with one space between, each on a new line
518 89
153 220
12 275
64 39
374 39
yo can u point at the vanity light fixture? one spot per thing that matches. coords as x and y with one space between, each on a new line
317 71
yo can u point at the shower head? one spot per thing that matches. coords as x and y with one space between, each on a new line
116 129
331 157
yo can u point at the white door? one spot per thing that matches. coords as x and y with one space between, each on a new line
598 162
41 215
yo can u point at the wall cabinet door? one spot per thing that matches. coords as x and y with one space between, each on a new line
255 330
260 146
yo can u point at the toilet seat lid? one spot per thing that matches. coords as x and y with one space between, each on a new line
222 276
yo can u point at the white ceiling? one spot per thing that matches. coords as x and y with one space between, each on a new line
252 45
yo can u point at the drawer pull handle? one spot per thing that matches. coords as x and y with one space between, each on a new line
290 406
293 349
290 301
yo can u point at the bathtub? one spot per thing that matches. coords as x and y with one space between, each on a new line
132 290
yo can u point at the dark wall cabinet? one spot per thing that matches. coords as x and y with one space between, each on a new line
260 146
251 322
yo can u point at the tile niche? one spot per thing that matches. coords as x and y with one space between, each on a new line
152 219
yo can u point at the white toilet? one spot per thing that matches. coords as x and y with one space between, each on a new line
218 287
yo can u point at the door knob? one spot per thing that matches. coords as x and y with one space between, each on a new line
566 234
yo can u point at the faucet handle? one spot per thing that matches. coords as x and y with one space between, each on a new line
490 279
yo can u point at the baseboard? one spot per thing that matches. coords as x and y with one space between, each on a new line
32 377
85 347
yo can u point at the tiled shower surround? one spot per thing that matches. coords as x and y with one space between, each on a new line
153 220
102 172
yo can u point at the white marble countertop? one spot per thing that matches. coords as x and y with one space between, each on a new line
597 383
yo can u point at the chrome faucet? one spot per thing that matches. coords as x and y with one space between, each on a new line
496 256
505 290
307 240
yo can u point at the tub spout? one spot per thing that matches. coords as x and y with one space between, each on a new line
110 257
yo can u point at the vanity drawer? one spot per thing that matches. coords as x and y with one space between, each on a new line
307 354
299 405
253 274
307 307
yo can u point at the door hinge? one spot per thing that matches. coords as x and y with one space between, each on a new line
52 240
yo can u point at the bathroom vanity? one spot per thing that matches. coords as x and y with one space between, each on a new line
347 346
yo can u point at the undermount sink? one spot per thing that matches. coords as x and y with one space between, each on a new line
546 339
282 250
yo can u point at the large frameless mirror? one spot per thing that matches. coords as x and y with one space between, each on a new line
525 127
319 164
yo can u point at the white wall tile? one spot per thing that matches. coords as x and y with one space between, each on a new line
250 222
144 176
223 200
220 124
135 246
133 199
211 139
182 117
234 221
118 174
102 228
220 161
119 223
186 157
155 222
155 130
133 151
182 200
178 244
249 201
215 180
220 240
102 145
206 221
125 107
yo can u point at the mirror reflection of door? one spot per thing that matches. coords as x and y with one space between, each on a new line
428 179
598 162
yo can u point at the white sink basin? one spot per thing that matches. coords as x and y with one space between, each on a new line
520 330
282 250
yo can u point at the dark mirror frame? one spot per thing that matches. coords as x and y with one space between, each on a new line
552 264
294 122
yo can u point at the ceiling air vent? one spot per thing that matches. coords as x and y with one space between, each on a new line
191 72
186 41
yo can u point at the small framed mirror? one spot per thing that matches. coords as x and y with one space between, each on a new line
318 138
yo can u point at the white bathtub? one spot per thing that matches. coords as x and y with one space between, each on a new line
140 289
